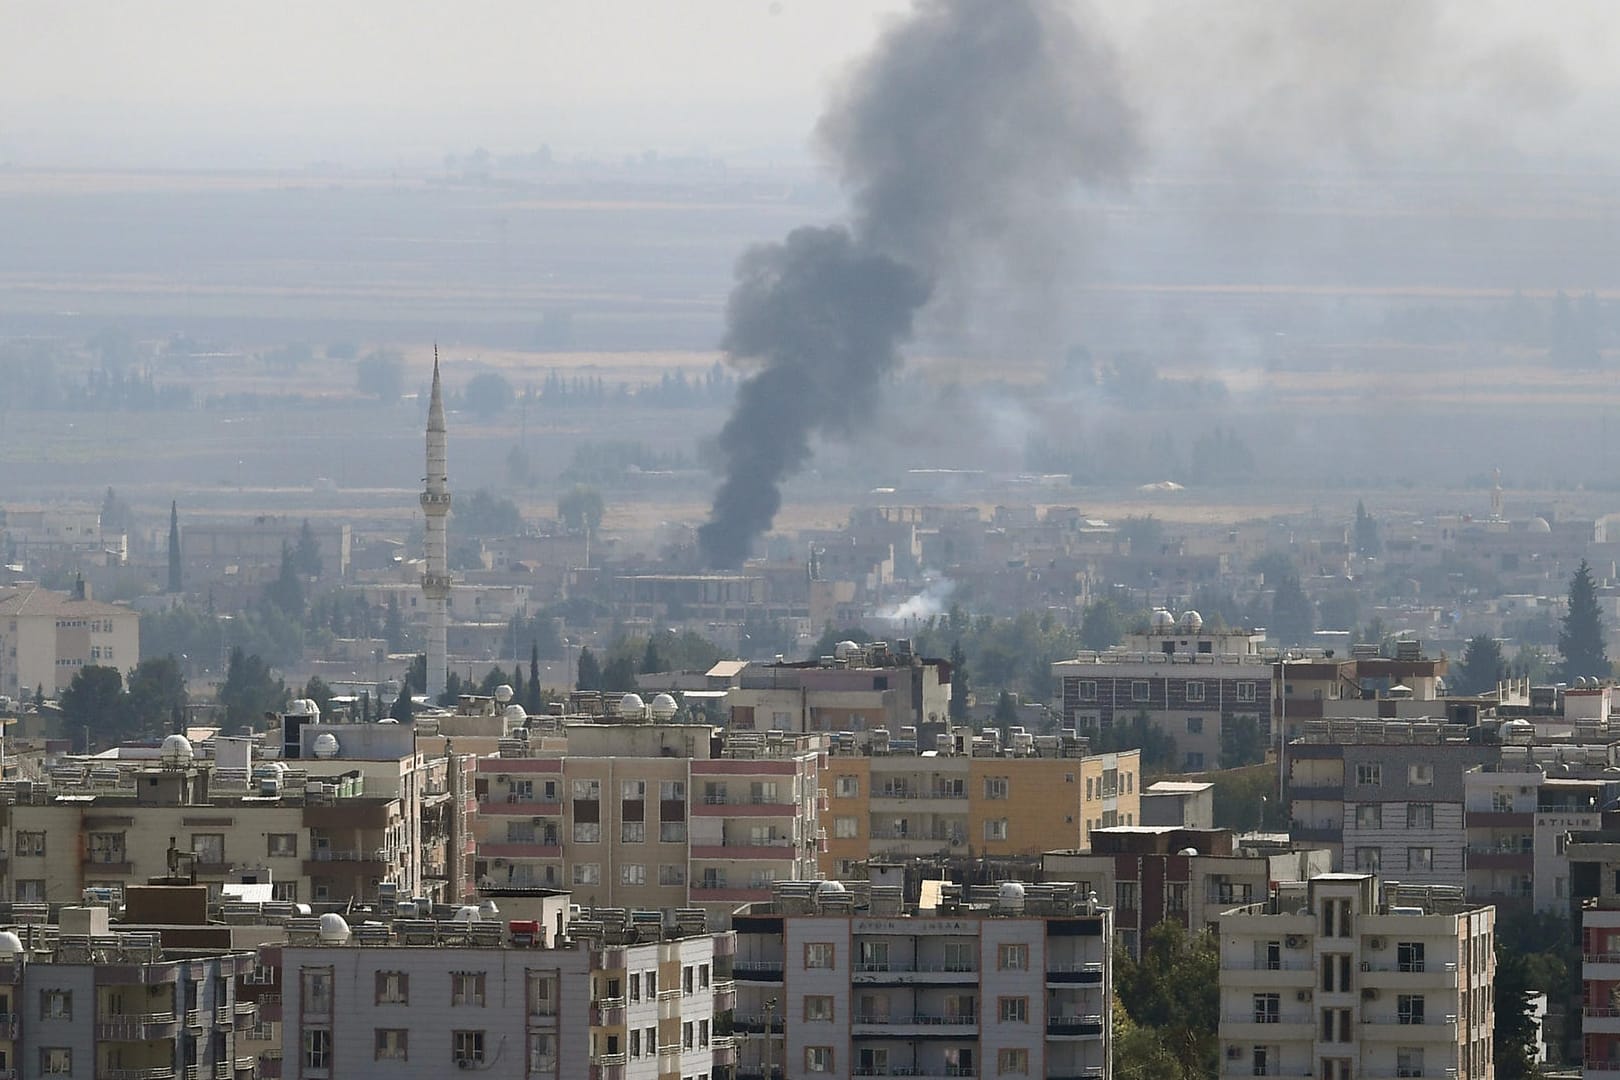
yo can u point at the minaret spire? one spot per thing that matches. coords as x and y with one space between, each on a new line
436 508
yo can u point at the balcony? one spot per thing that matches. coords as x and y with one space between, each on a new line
765 971
921 1072
108 864
754 1023
779 849
917 1024
135 1027
159 1072
513 806
720 806
1074 974
1415 1029
1396 977
222 1070
546 848
1290 973
327 861
1600 1020
915 974
1075 1027
1263 1028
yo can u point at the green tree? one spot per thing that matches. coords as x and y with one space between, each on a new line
307 553
519 691
483 514
619 676
1293 619
493 678
404 709
1366 532
960 688
157 692
1006 711
580 509
250 689
827 643
381 374
94 700
533 702
588 671
1580 641
1482 666
1102 625
320 693
286 592
651 662
175 585
1515 1034
1243 742
1145 534
487 394
394 626
1138 733
1173 989
1246 799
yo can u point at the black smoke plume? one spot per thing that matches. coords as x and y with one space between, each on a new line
961 140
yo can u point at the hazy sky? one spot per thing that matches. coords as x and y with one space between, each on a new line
383 82
369 81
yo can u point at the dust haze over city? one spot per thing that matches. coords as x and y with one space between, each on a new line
1023 332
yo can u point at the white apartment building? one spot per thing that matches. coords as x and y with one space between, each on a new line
46 638
651 815
1340 977
617 1000
841 980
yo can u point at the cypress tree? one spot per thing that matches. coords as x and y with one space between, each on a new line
174 548
1580 640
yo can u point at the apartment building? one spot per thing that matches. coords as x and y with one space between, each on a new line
843 980
650 815
859 689
1343 976
1156 874
1192 684
213 547
81 998
970 797
1594 865
47 637
617 999
1519 812
1362 686
351 808
1384 796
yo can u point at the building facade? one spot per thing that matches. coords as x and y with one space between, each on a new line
46 638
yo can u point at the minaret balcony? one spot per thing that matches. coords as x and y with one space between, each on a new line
436 583
435 499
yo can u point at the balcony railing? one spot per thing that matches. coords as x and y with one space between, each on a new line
930 1019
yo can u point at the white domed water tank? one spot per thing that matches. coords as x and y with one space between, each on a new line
1188 851
847 650
176 750
631 707
664 707
503 693
1191 621
325 745
1162 621
304 707
11 945
514 714
830 888
488 911
334 929
1010 896
465 913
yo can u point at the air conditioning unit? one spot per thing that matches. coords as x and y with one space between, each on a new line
500 862
1369 994
1375 943
1303 995
1234 1053
501 779
1294 942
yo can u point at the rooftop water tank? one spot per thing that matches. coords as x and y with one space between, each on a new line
334 929
631 707
663 707
326 745
176 750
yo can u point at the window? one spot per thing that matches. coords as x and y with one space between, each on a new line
1245 692
1176 899
1012 957
587 832
1409 955
874 956
56 1004
1195 690
1408 1061
632 832
31 891
542 994
56 1061
1368 860
672 790
1369 815
1420 858
391 1044
210 848
1409 1009
633 874
818 954
703 976
317 991
1420 774
818 1008
995 787
633 790
995 830
1420 815
1195 725
1087 689
847 787
1502 802
846 828
106 847
283 845
587 873
543 1051
285 891
1194 761
960 956
1125 895
1261 1061
672 832
687 1041
318 1048
818 1059
687 979
30 843
467 1047
588 790
671 874
393 988
1139 690
1012 1062
466 988
1267 1008
1369 775
1013 1010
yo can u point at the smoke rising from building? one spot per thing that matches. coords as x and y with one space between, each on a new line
960 140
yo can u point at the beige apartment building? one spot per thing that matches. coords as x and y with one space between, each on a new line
353 809
971 797
47 637
650 815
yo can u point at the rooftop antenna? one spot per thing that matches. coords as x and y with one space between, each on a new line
1496 494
